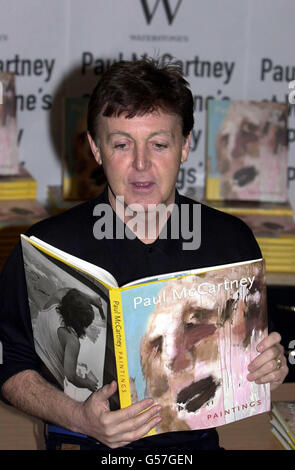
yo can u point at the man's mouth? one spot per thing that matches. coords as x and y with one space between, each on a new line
191 398
142 185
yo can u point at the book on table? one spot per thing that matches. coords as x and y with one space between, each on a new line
20 186
283 422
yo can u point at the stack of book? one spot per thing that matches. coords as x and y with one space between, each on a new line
282 420
273 227
16 216
275 235
246 175
19 186
19 208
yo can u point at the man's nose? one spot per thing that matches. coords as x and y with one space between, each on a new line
141 158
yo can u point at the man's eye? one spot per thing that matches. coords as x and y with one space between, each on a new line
120 146
160 146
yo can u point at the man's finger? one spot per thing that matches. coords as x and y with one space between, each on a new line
133 410
140 432
272 339
268 372
132 430
269 354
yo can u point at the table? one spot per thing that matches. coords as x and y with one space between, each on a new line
254 433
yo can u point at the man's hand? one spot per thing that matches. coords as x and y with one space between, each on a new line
117 428
270 366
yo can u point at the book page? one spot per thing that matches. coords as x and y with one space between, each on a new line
161 277
90 268
70 316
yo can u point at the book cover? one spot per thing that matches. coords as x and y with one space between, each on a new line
82 177
247 154
184 339
9 163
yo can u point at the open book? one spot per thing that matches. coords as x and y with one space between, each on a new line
183 338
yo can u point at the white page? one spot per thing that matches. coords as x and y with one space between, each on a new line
95 271
186 273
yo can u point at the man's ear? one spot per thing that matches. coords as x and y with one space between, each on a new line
186 148
95 150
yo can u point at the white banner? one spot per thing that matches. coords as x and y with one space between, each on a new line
235 49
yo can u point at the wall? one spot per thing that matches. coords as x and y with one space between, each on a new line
237 49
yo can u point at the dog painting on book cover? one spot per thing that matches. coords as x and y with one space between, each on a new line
199 335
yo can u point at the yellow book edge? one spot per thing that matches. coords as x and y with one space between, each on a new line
20 184
286 240
253 211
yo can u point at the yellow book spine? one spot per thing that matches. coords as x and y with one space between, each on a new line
20 184
285 240
16 196
213 188
121 352
120 348
278 248
271 268
254 211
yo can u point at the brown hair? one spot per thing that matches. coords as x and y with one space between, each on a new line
76 311
138 88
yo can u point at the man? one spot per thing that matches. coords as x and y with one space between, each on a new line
140 120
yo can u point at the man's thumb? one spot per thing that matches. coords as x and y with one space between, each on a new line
107 390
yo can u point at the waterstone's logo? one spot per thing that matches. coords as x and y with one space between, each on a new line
149 11
149 223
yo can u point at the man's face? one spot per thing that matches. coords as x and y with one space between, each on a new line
141 156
